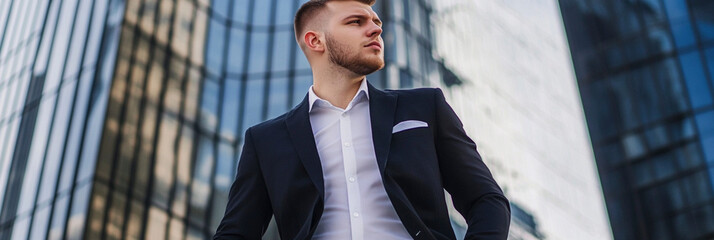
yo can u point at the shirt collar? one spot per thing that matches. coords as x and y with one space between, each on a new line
313 98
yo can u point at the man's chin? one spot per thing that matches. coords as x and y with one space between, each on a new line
369 68
376 64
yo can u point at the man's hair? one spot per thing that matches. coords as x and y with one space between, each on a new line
310 9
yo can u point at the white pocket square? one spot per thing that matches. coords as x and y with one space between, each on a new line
408 124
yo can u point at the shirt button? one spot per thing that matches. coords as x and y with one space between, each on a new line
352 179
347 144
355 214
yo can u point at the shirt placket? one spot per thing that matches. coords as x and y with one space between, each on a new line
350 167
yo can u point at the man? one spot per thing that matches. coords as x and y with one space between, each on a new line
354 162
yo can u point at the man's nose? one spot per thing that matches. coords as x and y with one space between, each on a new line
375 30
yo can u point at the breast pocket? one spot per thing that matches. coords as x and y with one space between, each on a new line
412 146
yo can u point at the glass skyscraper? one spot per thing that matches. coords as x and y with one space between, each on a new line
56 67
646 74
520 103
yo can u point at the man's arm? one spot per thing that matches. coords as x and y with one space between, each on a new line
248 211
474 191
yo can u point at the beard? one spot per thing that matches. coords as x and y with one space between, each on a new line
339 54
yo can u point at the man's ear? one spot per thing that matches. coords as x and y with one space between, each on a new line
313 41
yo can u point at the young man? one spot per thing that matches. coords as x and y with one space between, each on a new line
354 162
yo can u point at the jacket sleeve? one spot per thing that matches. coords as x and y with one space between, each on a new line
248 211
475 193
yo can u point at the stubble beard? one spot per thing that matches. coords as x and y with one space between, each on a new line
339 55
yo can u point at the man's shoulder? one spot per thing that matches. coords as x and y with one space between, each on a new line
413 91
416 94
270 125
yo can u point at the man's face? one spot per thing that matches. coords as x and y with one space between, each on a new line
353 37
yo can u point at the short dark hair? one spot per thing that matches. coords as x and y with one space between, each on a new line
309 9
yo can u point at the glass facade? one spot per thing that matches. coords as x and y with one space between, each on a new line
124 118
520 103
645 70
56 61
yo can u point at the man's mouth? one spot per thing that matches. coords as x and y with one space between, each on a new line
374 45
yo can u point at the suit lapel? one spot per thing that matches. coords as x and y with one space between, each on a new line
382 106
300 131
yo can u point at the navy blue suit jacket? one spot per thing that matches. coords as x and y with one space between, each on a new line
279 173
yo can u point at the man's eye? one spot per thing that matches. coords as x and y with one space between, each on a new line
354 21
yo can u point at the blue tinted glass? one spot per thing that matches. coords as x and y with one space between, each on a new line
400 45
405 79
667 76
699 93
705 125
678 14
281 50
623 101
688 156
673 191
625 19
660 41
708 146
711 179
77 45
40 221
652 11
683 34
634 146
214 47
93 43
209 105
37 153
229 115
60 46
261 12
648 99
278 102
657 137
201 185
221 7
706 29
696 189
642 173
703 10
285 12
258 52
664 166
253 102
676 9
20 228
415 17
59 216
222 179
301 61
240 10
77 213
634 49
302 85
61 124
224 168
710 64
236 51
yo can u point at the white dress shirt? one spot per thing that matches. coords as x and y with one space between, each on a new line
356 205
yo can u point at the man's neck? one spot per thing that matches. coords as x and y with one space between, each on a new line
337 87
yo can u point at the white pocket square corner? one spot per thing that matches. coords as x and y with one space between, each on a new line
408 124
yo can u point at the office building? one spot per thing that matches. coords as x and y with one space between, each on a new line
644 69
520 103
